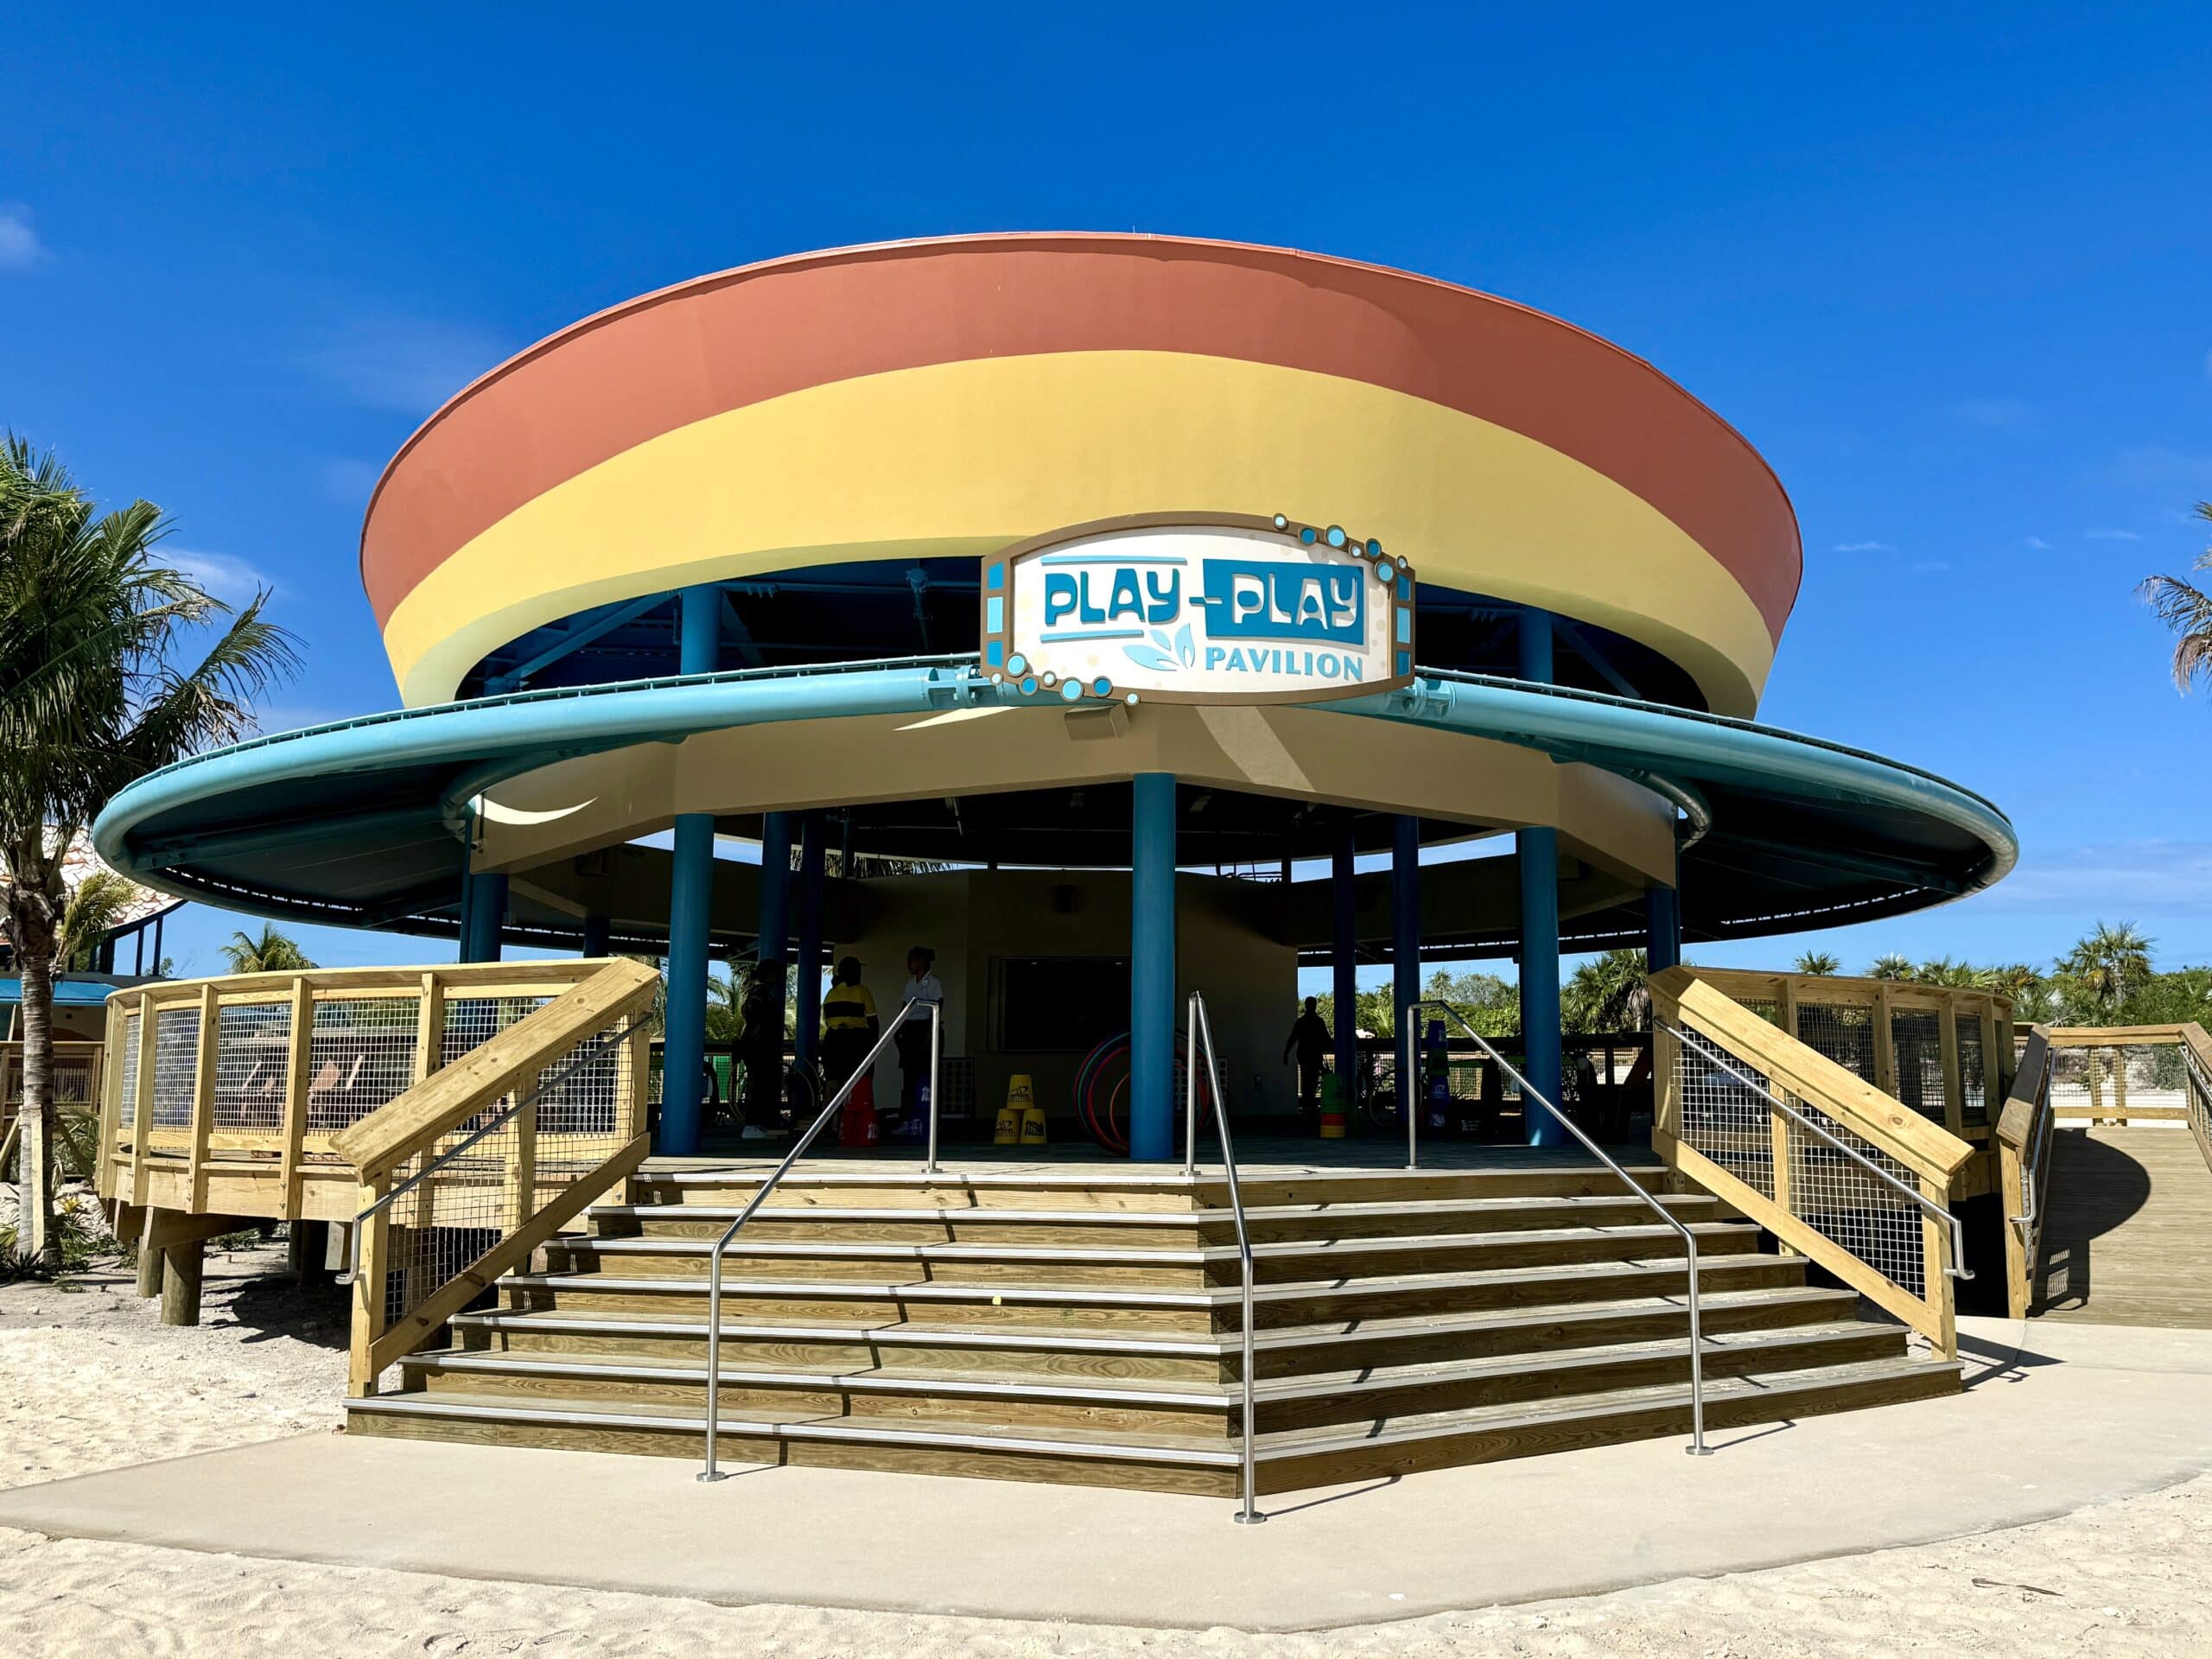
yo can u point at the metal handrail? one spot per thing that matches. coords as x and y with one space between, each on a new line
1697 1448
798 1150
1929 1207
360 1221
1202 1031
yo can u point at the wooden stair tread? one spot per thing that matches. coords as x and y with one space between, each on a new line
1107 1336
1073 1256
1127 1390
1078 1177
1012 1291
1220 1216
1778 1387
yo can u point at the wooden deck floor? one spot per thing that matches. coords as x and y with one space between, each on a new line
2129 1237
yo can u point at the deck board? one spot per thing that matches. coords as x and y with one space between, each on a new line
2129 1237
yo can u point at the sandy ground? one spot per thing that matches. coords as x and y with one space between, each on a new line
79 1366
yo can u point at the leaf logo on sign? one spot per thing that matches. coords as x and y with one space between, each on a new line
1166 656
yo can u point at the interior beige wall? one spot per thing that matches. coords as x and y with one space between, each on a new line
1223 948
1301 754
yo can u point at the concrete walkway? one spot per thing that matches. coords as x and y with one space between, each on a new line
2085 1413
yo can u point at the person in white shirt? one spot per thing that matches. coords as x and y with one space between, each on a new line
913 1039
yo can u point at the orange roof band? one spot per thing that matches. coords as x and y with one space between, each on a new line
738 340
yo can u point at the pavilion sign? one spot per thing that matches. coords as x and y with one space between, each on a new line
1189 608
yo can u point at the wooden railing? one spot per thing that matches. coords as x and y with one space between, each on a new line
1840 1170
227 1095
76 1086
463 1176
2024 1133
2119 1074
1946 1053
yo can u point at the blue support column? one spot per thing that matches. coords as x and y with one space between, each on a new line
1538 854
1405 922
690 904
775 894
1152 967
598 935
810 934
1662 923
487 915
1344 958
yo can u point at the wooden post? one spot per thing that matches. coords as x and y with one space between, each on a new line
203 1113
1936 1258
149 1258
636 1082
523 1166
2012 1184
1885 1046
182 1265
1998 1066
429 1027
299 1054
368 1290
141 1109
1667 1109
111 1098
1954 1096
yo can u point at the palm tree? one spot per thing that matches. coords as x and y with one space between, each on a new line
1609 994
1891 966
1819 962
97 687
2107 966
93 909
273 952
1951 973
2187 609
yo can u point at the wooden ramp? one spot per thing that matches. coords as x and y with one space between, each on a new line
2129 1237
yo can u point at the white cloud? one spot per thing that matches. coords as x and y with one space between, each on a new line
2112 536
1864 547
20 248
1999 414
2038 543
405 364
2120 878
233 580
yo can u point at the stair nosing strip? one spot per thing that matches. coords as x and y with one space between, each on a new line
416 1405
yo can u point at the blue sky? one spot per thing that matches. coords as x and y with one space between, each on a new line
1950 277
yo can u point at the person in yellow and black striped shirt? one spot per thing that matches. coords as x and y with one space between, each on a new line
848 1023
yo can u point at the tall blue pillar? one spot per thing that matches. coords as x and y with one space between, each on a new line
776 896
1663 924
1405 922
1537 851
598 935
1344 958
1152 966
810 934
690 904
487 906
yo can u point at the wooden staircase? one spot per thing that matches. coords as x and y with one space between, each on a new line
1082 1326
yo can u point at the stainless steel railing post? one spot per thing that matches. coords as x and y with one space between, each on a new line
714 1262
1202 1030
1409 1085
1191 1091
1697 1448
937 1038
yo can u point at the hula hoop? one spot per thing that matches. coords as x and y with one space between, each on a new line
1101 1082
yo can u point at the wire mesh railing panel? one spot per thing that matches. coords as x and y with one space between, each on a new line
127 1072
2111 1081
253 1043
1843 1032
490 1175
1724 1116
1917 1049
473 1021
1847 1204
1974 1079
176 1063
360 1056
1730 1114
